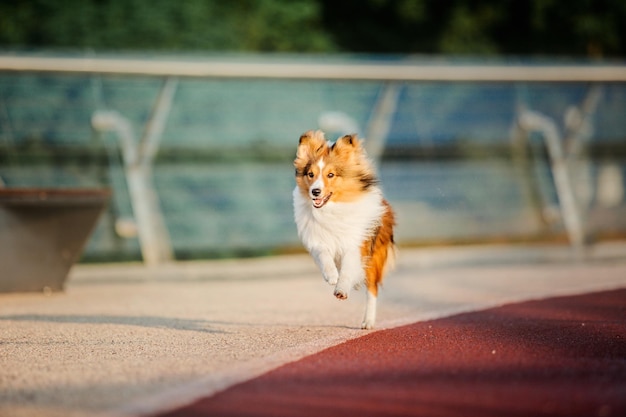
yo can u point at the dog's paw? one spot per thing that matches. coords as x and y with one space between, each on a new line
331 277
342 289
341 294
367 324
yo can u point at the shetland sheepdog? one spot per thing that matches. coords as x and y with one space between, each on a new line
341 216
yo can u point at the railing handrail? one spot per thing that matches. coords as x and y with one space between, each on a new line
281 69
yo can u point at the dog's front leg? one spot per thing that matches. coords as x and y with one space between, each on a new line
352 274
326 263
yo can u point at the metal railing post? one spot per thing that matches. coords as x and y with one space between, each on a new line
532 121
379 125
149 143
153 238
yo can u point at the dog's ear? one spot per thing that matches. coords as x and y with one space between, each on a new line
346 144
312 145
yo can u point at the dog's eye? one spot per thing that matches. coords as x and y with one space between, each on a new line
311 174
330 175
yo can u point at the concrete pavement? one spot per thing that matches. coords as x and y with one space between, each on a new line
125 340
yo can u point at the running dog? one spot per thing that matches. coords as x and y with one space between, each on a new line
341 216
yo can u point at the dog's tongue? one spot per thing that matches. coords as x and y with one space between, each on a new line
320 201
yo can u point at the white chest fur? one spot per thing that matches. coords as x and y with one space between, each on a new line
337 226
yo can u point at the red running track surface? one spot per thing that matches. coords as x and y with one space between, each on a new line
562 356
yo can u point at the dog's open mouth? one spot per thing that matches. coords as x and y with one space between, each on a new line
320 201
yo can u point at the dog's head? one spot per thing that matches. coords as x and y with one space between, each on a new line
338 172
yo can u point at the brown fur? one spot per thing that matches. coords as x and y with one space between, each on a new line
379 251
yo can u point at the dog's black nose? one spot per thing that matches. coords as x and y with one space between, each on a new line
316 192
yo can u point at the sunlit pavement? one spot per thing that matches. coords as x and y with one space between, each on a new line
126 340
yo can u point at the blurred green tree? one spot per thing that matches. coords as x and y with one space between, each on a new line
486 27
234 25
